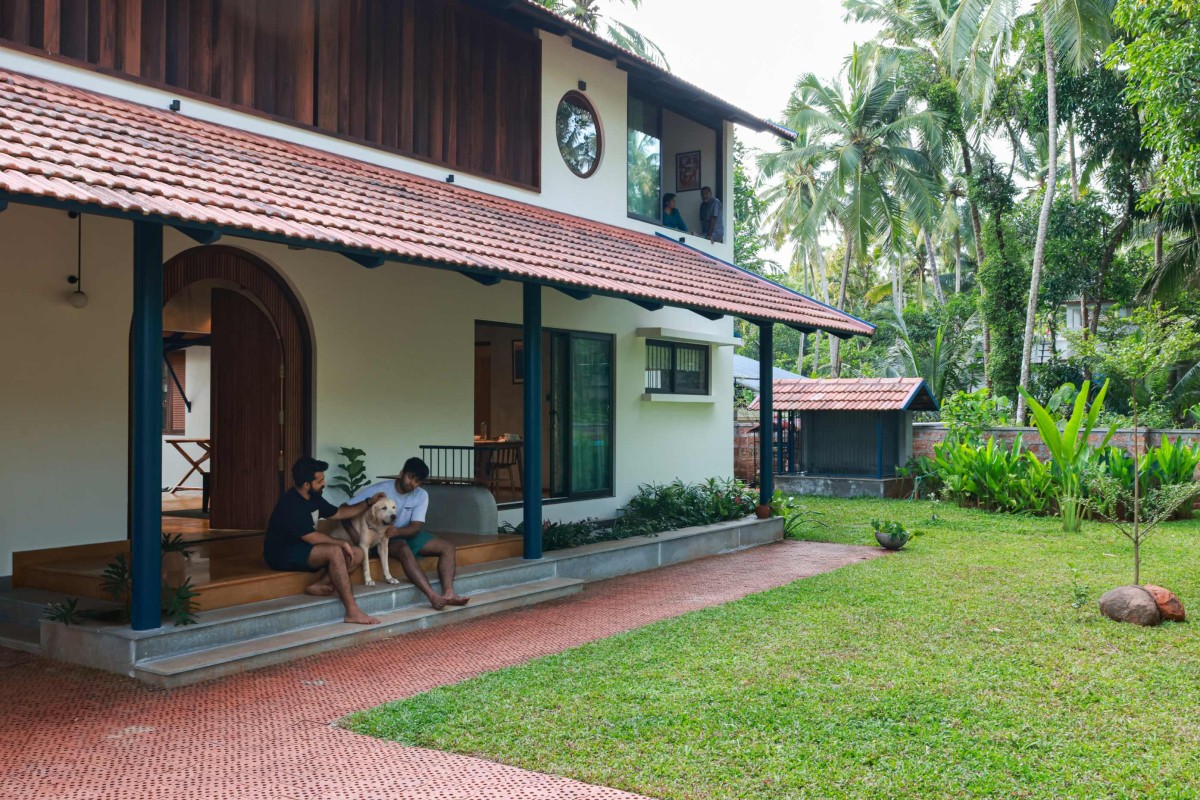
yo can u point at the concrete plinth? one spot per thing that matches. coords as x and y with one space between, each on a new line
828 486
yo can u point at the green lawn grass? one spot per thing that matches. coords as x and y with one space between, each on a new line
954 668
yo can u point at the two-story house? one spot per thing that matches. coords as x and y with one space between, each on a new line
250 230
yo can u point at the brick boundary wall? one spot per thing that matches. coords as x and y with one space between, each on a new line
745 451
928 434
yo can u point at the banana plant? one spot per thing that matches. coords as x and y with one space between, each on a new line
1069 448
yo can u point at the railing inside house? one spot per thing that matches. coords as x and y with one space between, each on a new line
496 465
451 463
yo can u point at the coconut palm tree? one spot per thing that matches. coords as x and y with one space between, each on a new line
587 13
863 170
977 38
947 363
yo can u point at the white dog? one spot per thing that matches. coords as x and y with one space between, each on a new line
369 529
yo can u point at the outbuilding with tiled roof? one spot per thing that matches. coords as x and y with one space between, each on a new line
845 436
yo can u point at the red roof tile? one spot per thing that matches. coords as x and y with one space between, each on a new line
851 394
70 145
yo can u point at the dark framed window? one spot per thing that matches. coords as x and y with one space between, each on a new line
644 176
677 368
174 410
578 130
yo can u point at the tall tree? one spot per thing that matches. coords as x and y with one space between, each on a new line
1160 60
978 36
858 137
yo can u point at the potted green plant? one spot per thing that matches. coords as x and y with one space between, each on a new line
891 535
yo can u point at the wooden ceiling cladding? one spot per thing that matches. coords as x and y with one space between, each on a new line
431 79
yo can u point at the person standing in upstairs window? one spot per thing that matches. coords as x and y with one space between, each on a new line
712 220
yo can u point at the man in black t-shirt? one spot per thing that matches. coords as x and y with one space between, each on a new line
293 544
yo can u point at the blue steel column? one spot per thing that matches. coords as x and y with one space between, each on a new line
766 412
879 438
146 433
531 479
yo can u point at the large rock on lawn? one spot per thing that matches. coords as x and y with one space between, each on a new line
1168 604
1130 604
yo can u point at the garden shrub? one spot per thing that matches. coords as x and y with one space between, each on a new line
967 414
654 509
994 478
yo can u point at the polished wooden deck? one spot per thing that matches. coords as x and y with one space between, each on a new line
226 567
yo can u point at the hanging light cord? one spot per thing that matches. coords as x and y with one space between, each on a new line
79 256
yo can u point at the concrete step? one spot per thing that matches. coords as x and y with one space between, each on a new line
214 662
254 620
20 637
28 606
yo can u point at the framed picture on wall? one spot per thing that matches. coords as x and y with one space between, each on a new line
518 356
687 171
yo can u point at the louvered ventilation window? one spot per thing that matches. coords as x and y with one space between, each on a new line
676 368
173 410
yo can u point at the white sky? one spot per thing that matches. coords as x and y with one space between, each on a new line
747 52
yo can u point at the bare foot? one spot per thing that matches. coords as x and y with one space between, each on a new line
361 619
319 590
437 602
456 600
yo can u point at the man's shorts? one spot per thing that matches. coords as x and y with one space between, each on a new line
291 558
419 541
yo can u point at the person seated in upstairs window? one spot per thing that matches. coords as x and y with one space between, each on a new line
671 216
408 539
712 220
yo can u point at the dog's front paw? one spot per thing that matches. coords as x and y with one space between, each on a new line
369 582
393 580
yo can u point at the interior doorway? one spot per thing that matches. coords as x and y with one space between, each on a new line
236 388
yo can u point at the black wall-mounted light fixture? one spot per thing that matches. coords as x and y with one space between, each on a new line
450 178
77 298
583 86
175 105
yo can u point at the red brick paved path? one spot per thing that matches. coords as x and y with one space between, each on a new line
69 732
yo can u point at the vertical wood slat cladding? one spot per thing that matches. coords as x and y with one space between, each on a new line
246 402
433 79
218 262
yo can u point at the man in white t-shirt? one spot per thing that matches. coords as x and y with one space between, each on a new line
407 539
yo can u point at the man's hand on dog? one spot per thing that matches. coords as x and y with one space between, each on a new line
375 498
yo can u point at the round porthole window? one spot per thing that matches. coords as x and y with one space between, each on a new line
578 131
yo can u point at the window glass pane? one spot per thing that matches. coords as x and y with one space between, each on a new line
578 135
645 160
591 414
658 367
691 369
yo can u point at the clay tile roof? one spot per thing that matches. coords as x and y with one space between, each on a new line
68 146
852 394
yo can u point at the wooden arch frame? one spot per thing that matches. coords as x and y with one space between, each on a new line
259 278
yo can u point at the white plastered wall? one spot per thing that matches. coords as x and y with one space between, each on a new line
602 196
65 391
394 356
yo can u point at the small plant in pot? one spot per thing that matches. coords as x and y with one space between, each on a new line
891 535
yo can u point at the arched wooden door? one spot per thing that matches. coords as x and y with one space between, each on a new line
261 382
247 414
